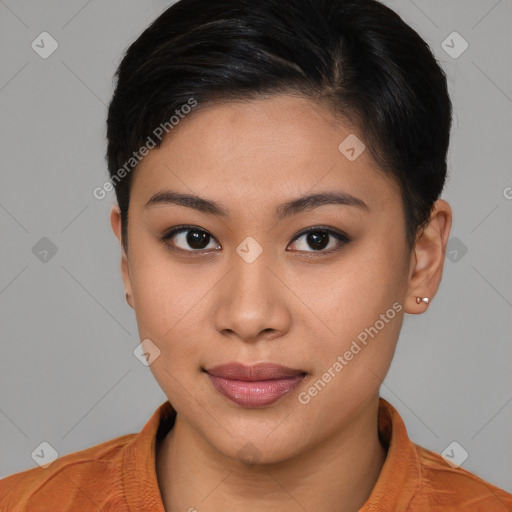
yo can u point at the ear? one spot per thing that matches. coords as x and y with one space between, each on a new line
115 222
427 258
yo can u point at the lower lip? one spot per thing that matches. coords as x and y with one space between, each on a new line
257 393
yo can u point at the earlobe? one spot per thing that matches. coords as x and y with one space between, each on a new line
427 259
115 222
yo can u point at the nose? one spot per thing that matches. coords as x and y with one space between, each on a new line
251 301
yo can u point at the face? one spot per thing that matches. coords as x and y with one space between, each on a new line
244 281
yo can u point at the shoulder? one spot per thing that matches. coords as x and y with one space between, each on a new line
80 480
445 487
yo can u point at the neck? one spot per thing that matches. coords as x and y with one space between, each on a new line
336 475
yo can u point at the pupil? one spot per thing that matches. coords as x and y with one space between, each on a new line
196 238
318 240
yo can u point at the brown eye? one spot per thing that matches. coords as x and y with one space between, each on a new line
190 239
320 240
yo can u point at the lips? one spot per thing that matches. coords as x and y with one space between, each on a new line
256 385
260 371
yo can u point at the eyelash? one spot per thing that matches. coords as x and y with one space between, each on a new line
341 237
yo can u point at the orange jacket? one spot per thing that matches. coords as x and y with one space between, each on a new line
119 475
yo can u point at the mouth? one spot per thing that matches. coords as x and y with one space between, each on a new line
256 385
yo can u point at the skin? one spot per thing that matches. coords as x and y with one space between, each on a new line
293 305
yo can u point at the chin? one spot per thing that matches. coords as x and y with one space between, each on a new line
255 452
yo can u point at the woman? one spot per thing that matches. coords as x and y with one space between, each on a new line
278 168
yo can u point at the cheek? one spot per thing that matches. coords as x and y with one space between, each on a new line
363 310
167 307
162 295
356 290
171 301
358 313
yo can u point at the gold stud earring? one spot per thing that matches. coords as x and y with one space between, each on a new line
426 300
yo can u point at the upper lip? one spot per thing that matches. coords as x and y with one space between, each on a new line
254 372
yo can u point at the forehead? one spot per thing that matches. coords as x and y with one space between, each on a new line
260 150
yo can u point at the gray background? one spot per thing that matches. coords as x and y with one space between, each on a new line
67 371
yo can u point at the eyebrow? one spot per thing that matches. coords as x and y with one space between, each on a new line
301 204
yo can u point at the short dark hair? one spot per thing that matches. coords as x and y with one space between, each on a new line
357 56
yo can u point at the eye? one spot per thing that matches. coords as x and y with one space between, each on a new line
195 238
318 239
